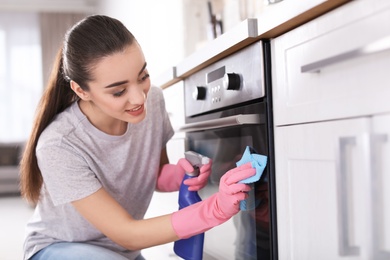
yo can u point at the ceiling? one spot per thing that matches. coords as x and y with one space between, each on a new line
49 5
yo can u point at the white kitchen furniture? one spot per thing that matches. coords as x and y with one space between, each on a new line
174 103
331 95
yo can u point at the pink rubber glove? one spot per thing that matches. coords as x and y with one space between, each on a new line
197 183
218 208
171 175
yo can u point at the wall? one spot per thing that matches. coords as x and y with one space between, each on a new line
157 25
20 74
171 30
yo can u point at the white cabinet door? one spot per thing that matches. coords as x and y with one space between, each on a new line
322 185
326 69
380 171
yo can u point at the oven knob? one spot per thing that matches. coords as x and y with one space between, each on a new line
199 93
232 81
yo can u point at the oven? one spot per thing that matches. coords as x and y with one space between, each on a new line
227 108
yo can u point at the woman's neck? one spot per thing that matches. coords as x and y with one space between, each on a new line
101 121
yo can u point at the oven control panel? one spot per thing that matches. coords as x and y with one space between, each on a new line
232 80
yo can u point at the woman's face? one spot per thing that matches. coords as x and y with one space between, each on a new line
120 86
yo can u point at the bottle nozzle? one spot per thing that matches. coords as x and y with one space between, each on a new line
197 160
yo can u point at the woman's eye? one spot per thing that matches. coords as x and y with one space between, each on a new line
120 93
145 77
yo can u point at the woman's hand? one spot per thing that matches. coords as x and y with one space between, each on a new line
171 176
196 183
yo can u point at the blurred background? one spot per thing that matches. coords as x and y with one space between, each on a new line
31 32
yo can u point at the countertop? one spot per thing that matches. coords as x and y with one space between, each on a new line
275 20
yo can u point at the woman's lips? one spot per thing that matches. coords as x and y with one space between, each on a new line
136 111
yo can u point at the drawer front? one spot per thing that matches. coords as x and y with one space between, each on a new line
336 66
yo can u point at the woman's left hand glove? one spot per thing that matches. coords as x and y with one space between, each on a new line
197 183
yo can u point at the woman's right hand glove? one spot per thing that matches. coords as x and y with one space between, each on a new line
218 208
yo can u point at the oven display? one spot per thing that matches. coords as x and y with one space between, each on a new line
216 74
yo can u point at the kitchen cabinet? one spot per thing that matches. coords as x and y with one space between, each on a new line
332 197
380 167
332 134
334 66
174 103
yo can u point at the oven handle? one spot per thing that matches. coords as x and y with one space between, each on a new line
247 119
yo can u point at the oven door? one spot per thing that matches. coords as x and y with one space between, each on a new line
224 140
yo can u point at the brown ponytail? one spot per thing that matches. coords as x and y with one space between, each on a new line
57 96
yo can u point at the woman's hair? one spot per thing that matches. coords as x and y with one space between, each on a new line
85 44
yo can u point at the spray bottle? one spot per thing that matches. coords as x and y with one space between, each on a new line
190 248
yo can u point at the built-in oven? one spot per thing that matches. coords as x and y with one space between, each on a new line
228 108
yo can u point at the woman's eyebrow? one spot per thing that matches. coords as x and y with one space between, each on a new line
143 68
115 84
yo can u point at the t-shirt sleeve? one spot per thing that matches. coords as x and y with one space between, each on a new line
168 129
66 175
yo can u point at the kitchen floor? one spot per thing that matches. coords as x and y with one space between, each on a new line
14 213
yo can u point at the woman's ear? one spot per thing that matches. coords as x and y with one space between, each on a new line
84 95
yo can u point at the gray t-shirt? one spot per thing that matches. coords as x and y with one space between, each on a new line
76 159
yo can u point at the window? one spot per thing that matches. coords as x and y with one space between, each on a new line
21 83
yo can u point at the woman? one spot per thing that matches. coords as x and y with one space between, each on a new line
97 153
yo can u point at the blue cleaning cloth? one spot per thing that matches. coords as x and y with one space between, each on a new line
258 162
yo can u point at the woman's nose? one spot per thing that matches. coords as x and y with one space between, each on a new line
136 96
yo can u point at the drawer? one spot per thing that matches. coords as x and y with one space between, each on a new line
336 66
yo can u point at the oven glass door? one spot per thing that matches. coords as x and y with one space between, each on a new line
247 234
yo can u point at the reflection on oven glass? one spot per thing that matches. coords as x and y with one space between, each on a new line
248 223
246 235
250 228
263 220
225 152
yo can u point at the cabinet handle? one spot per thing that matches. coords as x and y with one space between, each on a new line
376 173
374 47
345 249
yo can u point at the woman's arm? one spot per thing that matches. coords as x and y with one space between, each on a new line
102 211
107 215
